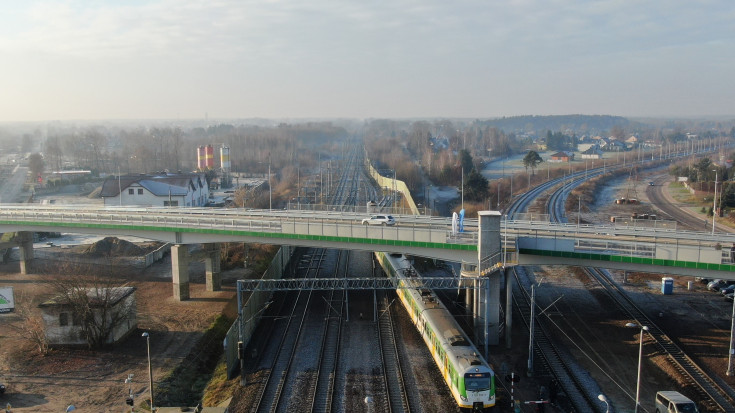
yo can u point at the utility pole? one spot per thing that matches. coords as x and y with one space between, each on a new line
714 205
531 330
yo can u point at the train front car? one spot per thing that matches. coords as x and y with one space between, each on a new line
468 376
478 388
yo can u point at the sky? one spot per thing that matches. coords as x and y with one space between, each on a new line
195 59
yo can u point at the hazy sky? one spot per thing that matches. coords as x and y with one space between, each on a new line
149 59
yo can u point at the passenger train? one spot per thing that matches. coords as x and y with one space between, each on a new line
470 379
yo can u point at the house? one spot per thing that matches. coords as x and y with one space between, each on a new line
189 189
614 146
63 328
592 153
561 157
585 143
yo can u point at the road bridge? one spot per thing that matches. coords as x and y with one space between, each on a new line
641 248
484 246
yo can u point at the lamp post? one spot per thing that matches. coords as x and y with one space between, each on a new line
270 189
463 186
150 369
732 335
602 398
119 184
640 358
714 204
531 330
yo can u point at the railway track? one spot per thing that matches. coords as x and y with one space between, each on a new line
323 391
397 400
301 368
271 390
553 359
717 394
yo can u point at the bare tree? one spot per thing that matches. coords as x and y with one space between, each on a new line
31 328
94 301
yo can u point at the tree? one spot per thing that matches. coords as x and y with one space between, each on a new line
531 160
475 186
465 159
32 327
36 164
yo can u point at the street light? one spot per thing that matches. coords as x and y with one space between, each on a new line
714 204
150 369
640 358
729 371
602 398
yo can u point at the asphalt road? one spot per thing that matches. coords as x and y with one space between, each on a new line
12 187
660 197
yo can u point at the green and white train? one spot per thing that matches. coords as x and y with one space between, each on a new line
470 379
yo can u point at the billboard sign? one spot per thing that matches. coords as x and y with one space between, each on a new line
7 301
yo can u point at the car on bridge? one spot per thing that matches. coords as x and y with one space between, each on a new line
379 220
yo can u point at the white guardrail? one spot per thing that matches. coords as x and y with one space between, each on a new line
408 228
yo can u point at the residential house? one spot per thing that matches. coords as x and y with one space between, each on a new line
631 142
592 153
614 146
188 190
586 142
561 157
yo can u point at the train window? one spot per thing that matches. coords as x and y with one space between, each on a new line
477 381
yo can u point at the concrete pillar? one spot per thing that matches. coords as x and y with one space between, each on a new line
491 307
469 297
180 271
212 265
25 244
488 255
508 307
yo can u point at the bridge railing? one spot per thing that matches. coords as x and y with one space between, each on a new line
331 224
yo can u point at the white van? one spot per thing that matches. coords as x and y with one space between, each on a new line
674 402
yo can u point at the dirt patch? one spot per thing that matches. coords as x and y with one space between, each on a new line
117 247
93 380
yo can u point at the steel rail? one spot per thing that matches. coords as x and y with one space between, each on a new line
716 391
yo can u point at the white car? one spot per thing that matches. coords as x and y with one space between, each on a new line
379 220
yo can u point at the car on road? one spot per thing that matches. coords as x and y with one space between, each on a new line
379 220
651 183
727 290
2 388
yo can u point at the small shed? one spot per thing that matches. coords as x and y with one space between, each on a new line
116 304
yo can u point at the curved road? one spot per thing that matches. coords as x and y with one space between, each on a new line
686 219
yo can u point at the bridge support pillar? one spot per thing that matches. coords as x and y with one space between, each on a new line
212 265
180 271
25 241
508 307
487 301
487 320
